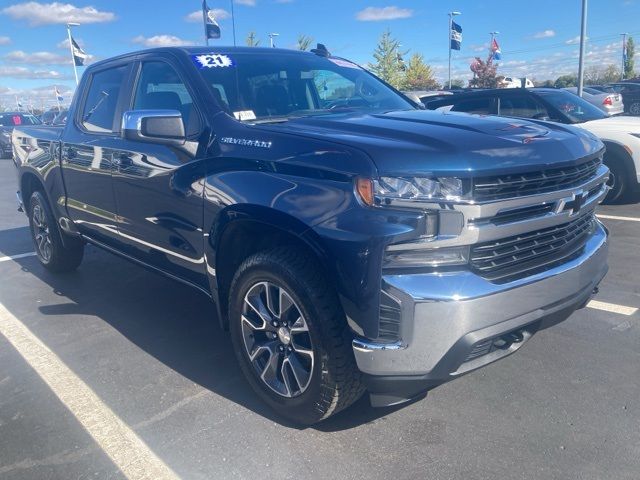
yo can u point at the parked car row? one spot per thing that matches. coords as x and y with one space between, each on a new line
620 134
9 120
609 102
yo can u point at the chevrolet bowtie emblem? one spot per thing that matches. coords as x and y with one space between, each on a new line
575 203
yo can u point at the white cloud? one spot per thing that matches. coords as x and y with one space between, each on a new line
5 40
161 41
248 3
545 34
218 13
37 58
375 14
36 13
23 72
574 40
479 48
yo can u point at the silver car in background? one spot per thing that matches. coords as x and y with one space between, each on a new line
609 102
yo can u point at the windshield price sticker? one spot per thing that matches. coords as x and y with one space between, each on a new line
212 60
244 115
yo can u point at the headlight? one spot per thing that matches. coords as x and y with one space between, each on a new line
397 257
388 189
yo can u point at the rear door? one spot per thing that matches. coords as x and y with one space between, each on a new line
90 141
159 188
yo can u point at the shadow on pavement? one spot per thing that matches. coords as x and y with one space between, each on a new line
172 322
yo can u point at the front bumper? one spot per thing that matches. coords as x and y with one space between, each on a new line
448 319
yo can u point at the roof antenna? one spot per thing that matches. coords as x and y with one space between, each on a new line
321 50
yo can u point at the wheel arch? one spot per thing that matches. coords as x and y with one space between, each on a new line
243 230
619 151
29 183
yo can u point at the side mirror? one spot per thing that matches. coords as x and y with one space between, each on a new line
154 126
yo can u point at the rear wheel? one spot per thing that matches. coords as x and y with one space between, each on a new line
634 108
47 238
291 337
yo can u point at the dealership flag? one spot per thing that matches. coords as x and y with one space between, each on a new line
58 96
212 27
456 36
495 50
79 55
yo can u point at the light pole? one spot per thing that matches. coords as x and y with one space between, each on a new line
583 41
271 37
73 58
624 53
451 15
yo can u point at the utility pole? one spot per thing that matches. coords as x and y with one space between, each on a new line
583 41
73 58
451 15
624 54
233 23
271 37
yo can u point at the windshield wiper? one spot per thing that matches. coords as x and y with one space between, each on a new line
281 119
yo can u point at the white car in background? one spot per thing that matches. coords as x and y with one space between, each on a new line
513 82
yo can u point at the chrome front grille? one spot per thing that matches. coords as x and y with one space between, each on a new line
532 183
526 254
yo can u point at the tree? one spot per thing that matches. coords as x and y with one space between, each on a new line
598 75
566 81
484 73
304 42
419 75
629 67
389 65
457 84
252 40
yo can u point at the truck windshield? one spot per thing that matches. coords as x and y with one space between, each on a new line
576 109
277 86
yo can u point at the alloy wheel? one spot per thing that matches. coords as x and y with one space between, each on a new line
41 233
277 339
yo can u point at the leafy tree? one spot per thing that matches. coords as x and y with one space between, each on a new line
566 81
389 65
418 75
304 42
598 75
629 67
252 40
457 83
484 73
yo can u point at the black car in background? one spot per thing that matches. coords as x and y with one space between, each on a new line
8 120
630 91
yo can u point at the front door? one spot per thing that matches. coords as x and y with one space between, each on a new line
159 188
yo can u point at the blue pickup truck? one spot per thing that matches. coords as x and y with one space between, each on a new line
351 241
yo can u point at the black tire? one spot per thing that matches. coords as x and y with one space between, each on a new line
634 108
52 253
335 381
618 180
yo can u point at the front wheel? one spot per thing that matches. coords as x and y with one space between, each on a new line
291 338
51 251
634 108
618 181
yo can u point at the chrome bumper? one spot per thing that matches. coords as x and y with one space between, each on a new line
446 315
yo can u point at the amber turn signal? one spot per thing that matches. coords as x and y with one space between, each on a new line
364 187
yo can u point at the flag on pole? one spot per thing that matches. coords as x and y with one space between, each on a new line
79 55
456 36
495 50
58 96
211 25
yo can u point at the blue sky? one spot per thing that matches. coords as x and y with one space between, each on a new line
538 37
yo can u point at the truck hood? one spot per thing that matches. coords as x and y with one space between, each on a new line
620 124
422 142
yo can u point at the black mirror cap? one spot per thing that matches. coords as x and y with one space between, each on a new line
163 127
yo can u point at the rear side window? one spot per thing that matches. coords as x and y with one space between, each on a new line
521 106
480 106
100 105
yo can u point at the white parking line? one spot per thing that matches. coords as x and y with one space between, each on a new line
16 257
612 307
127 451
616 217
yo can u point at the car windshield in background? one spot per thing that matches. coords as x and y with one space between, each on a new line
274 87
16 119
571 106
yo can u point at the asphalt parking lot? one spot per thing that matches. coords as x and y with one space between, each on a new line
566 406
